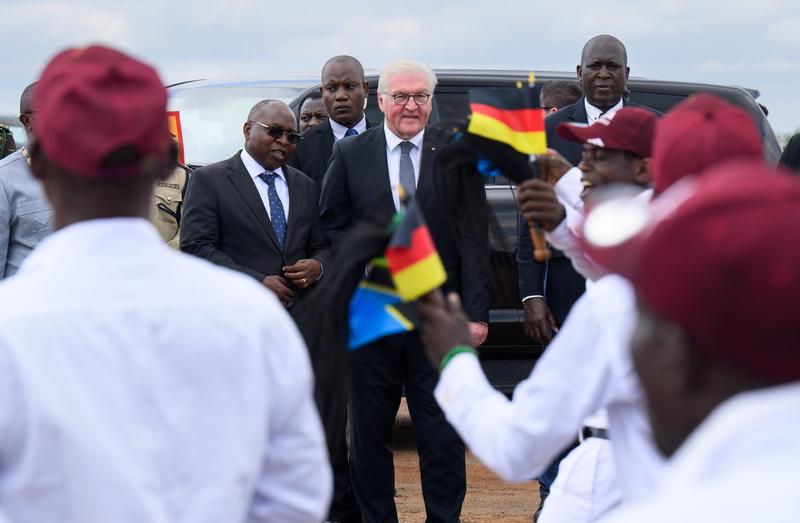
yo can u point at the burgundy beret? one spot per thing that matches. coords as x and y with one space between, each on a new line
93 101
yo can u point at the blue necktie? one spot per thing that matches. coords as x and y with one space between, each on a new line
277 215
350 132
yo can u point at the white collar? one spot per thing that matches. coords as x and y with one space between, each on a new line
255 169
392 140
593 113
339 129
93 238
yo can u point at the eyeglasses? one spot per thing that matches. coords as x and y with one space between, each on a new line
419 98
276 132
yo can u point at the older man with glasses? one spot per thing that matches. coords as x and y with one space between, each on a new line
254 214
364 182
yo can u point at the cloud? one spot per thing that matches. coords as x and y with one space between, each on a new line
749 43
785 32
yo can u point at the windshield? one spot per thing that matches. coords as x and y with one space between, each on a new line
211 116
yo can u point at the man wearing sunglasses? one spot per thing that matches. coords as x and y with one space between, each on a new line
254 214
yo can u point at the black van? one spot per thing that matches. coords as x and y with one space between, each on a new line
508 354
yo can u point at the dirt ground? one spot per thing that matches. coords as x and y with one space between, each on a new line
488 498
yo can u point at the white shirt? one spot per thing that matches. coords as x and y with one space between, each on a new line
339 129
281 187
393 159
593 113
139 384
587 366
740 465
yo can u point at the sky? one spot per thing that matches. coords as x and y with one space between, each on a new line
751 44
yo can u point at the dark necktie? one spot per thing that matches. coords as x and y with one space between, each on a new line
277 215
407 179
350 132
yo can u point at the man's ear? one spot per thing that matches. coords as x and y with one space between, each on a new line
366 88
25 120
579 71
39 164
643 175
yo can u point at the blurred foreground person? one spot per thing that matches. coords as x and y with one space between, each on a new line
196 407
723 402
588 365
26 215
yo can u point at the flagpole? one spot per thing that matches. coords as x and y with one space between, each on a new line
541 252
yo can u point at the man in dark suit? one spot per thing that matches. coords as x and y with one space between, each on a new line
549 289
344 91
253 214
363 183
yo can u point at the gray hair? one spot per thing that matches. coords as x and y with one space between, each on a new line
402 65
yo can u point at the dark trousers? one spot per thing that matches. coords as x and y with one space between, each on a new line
377 374
344 508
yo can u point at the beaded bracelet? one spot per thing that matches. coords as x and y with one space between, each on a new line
458 349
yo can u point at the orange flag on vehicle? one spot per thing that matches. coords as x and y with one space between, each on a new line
508 115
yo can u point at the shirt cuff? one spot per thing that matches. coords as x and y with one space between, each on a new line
569 188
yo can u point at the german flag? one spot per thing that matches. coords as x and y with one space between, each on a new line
508 115
376 310
414 263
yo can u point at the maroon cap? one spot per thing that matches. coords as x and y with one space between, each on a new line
698 133
94 101
628 129
717 256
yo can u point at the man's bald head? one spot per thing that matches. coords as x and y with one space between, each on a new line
603 71
25 99
255 112
344 90
26 110
344 59
603 40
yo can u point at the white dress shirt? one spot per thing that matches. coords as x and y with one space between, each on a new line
587 366
593 113
740 465
281 187
393 159
339 129
139 384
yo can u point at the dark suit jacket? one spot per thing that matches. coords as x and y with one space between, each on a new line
313 154
356 188
556 280
224 221
791 153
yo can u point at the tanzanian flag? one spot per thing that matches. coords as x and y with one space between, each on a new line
376 309
414 263
508 115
